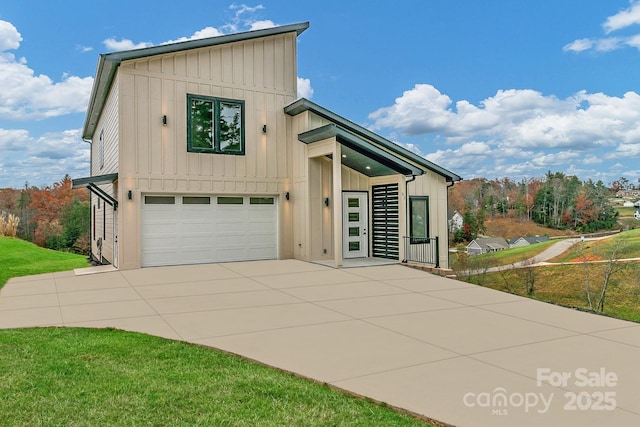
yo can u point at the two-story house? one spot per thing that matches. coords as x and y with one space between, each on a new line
200 153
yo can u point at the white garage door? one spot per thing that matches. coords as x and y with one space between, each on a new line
180 229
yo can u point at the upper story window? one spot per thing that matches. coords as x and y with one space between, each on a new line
215 125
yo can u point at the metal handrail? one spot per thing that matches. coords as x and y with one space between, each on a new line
423 250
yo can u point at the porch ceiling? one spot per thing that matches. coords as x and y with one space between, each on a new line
361 155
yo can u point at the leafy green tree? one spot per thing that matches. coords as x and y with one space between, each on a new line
473 224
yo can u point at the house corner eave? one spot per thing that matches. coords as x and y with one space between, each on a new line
301 105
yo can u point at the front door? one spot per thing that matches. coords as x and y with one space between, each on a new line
355 221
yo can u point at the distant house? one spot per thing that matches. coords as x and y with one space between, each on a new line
455 221
483 245
517 242
628 204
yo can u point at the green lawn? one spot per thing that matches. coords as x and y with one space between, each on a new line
104 377
21 258
566 284
494 259
626 245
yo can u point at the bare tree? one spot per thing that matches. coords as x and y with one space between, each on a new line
587 277
611 268
529 274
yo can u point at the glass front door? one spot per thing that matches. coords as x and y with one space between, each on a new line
355 221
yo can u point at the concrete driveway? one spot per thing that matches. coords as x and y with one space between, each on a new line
454 352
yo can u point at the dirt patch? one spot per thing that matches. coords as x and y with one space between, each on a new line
509 228
587 257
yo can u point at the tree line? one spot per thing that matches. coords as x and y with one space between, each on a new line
52 216
555 200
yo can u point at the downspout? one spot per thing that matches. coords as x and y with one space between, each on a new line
448 187
407 180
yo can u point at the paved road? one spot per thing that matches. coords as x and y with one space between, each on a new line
549 253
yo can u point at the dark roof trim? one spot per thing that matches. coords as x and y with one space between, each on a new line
97 179
108 63
90 183
361 146
303 104
104 196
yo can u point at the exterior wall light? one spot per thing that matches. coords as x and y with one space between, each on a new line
129 195
264 128
286 195
326 201
164 120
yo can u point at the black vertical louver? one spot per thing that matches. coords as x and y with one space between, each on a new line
386 238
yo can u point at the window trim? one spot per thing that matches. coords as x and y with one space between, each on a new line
426 238
216 101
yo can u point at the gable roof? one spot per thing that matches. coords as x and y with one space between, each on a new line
385 163
491 243
302 105
108 63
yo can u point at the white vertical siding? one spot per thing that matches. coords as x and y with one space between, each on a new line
435 186
104 160
154 158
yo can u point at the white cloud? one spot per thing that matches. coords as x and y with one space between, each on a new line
304 88
623 19
25 95
200 34
424 102
579 45
84 49
42 160
124 44
520 118
619 21
516 132
261 25
10 38
243 20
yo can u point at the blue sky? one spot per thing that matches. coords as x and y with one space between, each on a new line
496 88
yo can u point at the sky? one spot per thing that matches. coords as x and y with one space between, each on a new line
493 89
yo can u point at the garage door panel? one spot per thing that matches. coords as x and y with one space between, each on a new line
207 229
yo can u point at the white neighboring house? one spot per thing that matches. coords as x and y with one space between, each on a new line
455 222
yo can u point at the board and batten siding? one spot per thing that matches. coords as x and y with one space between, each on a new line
435 186
107 129
253 71
154 158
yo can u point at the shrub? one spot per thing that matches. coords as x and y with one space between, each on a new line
8 224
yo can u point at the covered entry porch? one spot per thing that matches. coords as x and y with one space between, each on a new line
357 195
357 199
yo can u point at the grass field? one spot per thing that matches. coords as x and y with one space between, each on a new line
102 377
567 284
494 259
625 210
21 258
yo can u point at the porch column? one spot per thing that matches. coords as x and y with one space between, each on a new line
337 204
